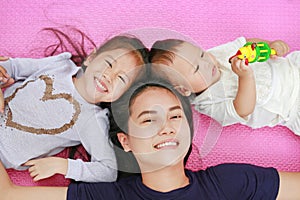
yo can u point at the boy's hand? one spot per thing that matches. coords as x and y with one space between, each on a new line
280 47
241 68
46 167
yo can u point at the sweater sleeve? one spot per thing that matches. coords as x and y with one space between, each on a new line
22 68
94 138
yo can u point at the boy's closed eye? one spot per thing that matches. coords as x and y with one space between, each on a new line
197 69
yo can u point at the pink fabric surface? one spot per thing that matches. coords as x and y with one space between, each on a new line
207 22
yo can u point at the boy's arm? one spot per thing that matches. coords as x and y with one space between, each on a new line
245 100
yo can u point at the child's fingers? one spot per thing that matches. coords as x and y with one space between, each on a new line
3 58
7 83
3 72
235 64
1 102
244 65
281 47
32 171
37 178
3 80
29 163
273 56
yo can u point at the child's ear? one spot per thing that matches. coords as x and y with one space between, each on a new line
90 57
123 139
183 90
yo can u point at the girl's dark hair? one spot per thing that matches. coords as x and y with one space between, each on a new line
120 113
81 45
69 39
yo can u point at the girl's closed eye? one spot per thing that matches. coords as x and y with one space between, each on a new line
123 78
108 63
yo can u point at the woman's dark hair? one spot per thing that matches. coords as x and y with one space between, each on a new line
120 113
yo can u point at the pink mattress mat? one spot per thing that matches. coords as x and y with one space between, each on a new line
208 23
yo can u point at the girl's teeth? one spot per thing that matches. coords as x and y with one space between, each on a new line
100 85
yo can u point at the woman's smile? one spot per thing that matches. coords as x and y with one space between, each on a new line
167 144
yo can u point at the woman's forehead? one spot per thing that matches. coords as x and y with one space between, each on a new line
153 96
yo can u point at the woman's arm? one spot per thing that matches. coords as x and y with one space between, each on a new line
289 187
10 191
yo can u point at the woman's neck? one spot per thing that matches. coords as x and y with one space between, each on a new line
166 179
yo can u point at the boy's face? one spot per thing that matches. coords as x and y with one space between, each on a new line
198 69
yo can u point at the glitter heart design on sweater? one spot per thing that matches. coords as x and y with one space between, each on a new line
47 95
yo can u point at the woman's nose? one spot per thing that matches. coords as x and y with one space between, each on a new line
166 129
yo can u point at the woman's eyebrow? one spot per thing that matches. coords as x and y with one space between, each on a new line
175 108
146 112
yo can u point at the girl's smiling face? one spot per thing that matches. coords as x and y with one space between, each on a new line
108 75
158 131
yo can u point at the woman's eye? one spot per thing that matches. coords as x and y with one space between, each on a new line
176 117
147 121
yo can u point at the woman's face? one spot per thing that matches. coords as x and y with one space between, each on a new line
158 131
108 75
